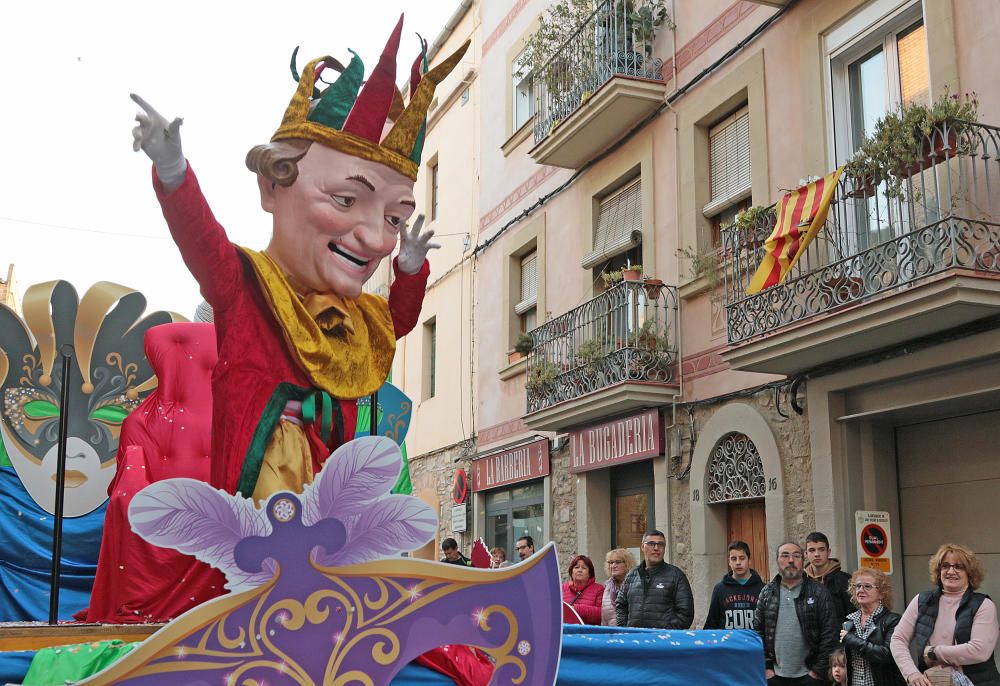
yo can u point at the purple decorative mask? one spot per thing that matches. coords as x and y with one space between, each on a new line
298 614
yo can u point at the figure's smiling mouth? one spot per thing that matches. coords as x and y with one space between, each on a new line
350 257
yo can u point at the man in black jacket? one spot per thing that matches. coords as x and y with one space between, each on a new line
655 594
795 617
826 570
734 599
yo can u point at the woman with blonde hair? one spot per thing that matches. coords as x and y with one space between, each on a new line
618 563
949 632
867 633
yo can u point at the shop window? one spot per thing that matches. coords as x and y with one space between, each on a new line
515 512
632 504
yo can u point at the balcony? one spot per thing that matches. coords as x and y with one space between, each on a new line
599 84
614 353
882 270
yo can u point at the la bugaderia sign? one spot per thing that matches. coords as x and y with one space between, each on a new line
618 441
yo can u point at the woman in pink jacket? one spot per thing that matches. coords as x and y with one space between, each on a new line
582 592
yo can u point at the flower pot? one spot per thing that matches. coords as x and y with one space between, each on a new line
845 288
933 153
631 275
861 188
514 355
653 288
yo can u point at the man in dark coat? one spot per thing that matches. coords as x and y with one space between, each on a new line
826 570
795 618
655 594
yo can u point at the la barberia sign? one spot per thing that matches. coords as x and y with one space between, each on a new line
616 442
529 461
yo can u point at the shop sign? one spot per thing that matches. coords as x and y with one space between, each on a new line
874 540
616 442
525 462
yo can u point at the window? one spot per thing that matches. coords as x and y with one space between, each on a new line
729 170
522 98
526 306
434 190
515 512
619 224
430 359
878 61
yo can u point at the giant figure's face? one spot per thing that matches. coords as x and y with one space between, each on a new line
108 376
336 223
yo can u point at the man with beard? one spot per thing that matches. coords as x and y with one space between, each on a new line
796 618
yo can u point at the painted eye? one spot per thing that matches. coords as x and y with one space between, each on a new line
394 222
344 200
110 414
40 409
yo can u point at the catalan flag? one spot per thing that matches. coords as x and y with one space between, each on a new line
801 214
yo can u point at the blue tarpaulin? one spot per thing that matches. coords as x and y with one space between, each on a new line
26 555
595 655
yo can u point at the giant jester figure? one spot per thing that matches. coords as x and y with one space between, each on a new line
298 341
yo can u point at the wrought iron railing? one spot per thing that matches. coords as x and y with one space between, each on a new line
874 242
627 333
608 44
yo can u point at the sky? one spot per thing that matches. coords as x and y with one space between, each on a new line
76 203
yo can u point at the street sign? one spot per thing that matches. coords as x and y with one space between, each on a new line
874 538
458 518
459 487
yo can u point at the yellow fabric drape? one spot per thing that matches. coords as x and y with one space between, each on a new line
346 364
287 462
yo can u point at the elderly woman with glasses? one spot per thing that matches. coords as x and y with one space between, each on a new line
618 562
950 629
867 632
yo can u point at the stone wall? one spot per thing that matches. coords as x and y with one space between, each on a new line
562 519
431 475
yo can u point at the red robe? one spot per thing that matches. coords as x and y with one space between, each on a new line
253 357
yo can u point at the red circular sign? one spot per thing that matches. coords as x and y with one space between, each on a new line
459 487
873 540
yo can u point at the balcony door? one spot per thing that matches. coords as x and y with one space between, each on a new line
880 67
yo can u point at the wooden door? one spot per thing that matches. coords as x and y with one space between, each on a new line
745 521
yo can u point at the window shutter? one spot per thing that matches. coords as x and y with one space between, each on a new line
529 284
619 226
729 154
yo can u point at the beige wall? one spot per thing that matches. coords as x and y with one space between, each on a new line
452 142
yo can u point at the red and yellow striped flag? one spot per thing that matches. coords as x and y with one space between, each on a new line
801 214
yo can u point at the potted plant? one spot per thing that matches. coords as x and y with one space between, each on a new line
908 141
522 347
589 353
704 263
541 376
612 278
632 273
644 17
652 286
650 336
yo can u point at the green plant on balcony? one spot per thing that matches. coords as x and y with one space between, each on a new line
556 27
652 335
705 263
589 353
611 278
900 142
524 344
645 17
541 377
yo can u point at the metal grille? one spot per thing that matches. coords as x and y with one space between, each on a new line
736 471
601 48
628 333
949 218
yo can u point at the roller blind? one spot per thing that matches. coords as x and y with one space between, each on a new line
529 283
729 159
619 224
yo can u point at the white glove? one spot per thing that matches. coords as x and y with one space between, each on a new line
413 246
161 142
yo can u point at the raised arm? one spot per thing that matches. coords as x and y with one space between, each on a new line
161 141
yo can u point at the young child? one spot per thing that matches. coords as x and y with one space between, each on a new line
838 667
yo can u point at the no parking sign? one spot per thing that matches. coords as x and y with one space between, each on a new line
874 539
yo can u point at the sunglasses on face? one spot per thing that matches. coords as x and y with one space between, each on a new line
957 566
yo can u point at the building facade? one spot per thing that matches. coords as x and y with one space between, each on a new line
675 398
